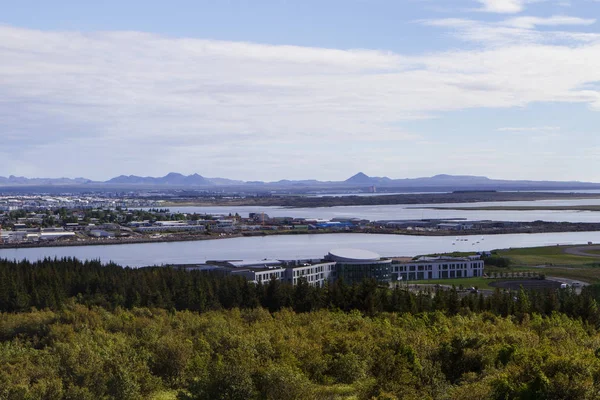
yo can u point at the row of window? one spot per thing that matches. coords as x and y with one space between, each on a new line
311 278
313 270
412 276
412 268
267 276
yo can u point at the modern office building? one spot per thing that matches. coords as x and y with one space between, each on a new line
354 265
262 275
426 268
316 272
351 265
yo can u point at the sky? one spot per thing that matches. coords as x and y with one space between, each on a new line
300 89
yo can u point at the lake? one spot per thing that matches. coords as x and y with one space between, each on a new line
425 211
293 246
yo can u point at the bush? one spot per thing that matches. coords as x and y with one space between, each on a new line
497 261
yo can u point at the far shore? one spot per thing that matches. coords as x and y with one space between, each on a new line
307 201
547 228
515 208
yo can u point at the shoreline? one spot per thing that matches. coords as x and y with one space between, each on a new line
117 242
591 208
298 201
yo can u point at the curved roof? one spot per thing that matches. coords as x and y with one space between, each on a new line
354 255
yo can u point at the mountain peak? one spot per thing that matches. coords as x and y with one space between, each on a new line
361 176
363 179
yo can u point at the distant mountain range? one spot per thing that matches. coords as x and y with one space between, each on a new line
20 180
176 180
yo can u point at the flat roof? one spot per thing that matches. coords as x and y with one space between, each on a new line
254 263
354 255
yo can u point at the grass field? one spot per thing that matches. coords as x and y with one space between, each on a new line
555 262
581 273
551 255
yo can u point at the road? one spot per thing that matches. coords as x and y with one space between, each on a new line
584 251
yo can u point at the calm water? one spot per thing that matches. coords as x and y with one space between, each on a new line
289 247
425 211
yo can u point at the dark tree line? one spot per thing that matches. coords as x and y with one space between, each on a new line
51 282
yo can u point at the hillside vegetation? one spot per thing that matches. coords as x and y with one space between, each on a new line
82 353
74 330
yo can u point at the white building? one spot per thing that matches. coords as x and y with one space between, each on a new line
352 266
171 228
262 275
426 268
315 274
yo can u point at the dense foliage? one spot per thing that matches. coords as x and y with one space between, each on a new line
81 353
497 261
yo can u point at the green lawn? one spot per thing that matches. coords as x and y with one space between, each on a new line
550 255
557 262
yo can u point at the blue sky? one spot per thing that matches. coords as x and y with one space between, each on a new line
301 89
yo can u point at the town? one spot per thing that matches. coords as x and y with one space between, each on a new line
85 220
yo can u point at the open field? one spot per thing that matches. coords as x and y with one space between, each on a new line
555 261
550 255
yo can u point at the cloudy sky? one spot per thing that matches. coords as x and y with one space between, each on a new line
298 89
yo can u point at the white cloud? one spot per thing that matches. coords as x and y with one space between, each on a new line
558 20
518 30
529 129
131 101
503 6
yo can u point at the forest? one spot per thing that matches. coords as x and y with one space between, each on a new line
82 330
